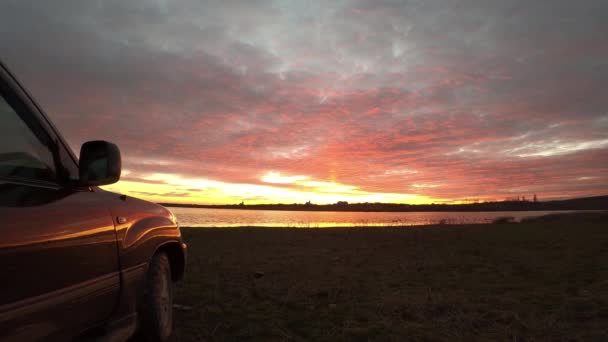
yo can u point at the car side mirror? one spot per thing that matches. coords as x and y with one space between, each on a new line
100 163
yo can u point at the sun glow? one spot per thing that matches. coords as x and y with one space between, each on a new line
276 178
275 188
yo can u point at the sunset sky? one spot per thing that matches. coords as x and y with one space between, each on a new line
289 101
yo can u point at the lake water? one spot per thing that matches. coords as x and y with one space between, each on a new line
198 217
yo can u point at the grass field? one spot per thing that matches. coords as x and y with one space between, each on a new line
538 281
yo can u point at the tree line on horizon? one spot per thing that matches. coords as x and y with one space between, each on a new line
510 204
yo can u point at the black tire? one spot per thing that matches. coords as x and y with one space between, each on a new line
156 311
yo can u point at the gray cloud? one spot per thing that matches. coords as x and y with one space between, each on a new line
466 92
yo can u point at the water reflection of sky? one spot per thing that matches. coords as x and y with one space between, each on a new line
195 217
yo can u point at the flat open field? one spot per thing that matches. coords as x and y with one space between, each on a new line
545 280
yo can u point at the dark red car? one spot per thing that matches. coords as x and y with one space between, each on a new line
75 260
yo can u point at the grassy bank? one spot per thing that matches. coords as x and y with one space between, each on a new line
542 280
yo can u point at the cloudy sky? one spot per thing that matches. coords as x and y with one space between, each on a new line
288 101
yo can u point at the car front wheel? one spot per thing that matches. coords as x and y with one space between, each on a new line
156 314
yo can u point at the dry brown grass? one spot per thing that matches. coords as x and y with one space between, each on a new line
510 282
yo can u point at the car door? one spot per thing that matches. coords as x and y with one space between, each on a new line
58 253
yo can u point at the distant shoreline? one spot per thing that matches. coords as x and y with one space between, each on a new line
588 203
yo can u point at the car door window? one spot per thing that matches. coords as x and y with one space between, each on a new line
22 154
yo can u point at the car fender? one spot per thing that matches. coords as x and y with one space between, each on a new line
143 229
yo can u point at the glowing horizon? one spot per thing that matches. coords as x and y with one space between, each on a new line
173 188
206 191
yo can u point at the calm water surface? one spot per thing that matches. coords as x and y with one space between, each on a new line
197 217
